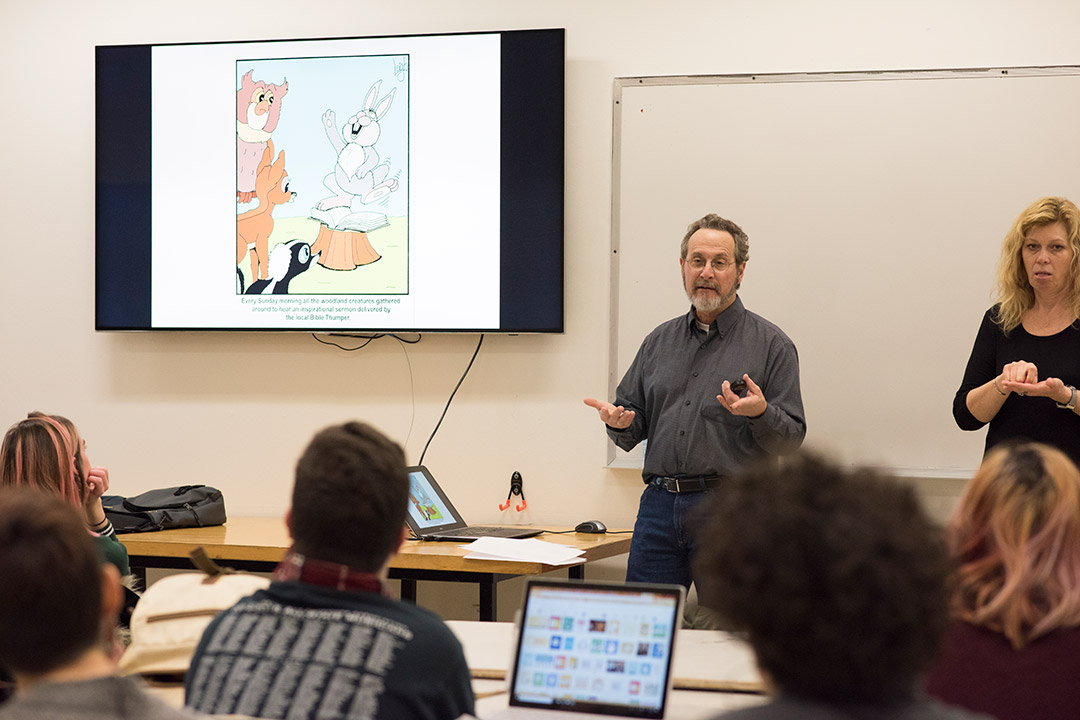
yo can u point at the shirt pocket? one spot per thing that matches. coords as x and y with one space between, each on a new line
713 412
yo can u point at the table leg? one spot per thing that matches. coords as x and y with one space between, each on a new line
488 604
408 590
139 573
487 582
576 572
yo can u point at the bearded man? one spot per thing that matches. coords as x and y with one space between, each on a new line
710 390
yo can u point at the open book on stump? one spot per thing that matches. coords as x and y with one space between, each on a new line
342 242
344 218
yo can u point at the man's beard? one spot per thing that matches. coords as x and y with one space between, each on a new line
709 303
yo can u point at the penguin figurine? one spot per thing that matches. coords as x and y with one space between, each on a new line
287 260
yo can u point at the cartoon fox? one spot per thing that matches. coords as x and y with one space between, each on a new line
253 227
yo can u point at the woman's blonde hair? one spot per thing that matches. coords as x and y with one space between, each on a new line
1015 295
1016 538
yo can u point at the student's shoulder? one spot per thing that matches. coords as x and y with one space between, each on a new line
786 708
422 620
125 695
378 609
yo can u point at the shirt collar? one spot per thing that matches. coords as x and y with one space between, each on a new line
724 321
295 567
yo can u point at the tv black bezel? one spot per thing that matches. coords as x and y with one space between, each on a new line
532 202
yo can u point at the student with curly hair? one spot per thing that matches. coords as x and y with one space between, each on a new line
838 579
1013 649
46 452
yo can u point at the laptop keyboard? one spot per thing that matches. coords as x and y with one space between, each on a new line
478 530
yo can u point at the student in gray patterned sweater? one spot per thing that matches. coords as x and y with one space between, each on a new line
58 608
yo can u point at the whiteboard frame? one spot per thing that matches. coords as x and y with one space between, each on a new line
616 458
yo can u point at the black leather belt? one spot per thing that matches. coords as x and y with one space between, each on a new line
695 483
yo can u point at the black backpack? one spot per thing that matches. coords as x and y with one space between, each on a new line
166 508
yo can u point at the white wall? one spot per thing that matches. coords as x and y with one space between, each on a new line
234 410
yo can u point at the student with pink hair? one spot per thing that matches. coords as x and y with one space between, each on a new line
1013 649
46 452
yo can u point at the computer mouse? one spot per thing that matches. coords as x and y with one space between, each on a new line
591 526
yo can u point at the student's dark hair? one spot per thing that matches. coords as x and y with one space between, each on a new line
835 573
350 496
50 582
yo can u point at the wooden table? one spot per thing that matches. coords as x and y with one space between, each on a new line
258 544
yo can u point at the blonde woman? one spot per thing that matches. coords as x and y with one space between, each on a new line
1023 371
1013 649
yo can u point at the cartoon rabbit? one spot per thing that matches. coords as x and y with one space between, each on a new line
358 174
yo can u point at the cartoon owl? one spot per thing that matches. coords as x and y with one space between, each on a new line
258 107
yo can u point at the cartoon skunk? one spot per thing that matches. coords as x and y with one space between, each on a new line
287 260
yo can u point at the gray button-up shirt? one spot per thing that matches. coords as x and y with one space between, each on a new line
672 387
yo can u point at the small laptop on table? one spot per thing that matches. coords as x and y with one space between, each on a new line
590 649
433 517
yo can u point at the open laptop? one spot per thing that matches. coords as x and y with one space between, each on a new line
594 650
433 517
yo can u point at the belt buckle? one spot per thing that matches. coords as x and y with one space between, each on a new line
670 484
679 487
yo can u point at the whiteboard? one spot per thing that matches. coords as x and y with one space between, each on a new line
875 203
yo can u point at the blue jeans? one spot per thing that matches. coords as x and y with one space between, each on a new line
664 537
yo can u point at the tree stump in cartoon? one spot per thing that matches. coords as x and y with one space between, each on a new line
343 249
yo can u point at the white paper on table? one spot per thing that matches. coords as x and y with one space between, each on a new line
528 550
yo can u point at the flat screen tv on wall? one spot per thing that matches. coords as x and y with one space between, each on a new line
406 183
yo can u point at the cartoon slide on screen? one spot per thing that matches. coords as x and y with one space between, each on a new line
322 152
423 503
